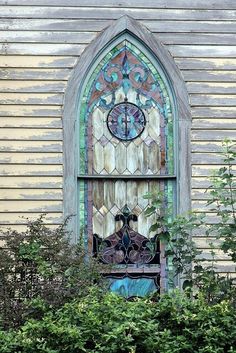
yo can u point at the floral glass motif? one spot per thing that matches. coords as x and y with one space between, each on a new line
126 121
126 246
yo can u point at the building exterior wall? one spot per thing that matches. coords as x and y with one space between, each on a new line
41 42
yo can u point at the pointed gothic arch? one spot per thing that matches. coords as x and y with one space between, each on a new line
129 30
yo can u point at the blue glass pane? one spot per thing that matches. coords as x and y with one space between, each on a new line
133 287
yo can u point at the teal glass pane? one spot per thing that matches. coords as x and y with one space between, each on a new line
133 287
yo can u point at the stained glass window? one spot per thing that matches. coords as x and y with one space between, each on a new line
126 149
126 121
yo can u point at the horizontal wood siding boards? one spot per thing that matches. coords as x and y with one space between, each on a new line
223 64
87 37
23 122
31 98
31 182
32 86
207 158
212 87
214 112
48 37
79 25
30 110
114 13
200 182
45 61
30 206
30 170
33 194
76 49
203 51
30 146
214 135
206 170
84 25
211 100
41 49
20 227
34 74
22 218
182 4
209 76
30 158
225 124
30 134
42 41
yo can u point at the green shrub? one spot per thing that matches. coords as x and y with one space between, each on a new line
40 270
182 252
52 299
106 323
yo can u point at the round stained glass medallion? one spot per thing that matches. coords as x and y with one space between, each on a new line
126 121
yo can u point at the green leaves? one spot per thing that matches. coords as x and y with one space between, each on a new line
39 266
182 252
106 323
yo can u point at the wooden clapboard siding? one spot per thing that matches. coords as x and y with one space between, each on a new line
30 146
41 41
22 122
182 4
34 86
31 182
33 194
103 12
14 219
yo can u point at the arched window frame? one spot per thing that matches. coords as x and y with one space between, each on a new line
124 25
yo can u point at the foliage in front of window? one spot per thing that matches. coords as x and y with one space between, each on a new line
106 323
66 312
41 270
181 250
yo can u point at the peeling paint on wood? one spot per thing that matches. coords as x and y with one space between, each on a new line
30 158
31 182
28 122
33 194
34 74
16 218
34 170
114 13
30 146
182 4
30 206
30 110
37 61
30 134
41 44
35 86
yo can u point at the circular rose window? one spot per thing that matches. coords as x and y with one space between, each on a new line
126 121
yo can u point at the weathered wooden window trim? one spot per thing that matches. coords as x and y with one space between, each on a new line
182 115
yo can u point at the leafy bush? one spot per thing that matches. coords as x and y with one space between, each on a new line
52 299
177 234
41 270
106 323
